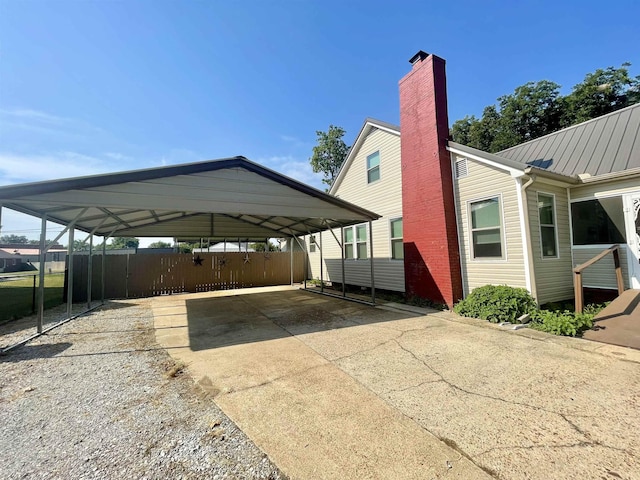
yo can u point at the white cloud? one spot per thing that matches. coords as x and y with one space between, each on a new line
296 169
16 168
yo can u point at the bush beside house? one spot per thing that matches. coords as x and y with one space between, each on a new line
501 303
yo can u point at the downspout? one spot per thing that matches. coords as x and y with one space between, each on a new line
527 232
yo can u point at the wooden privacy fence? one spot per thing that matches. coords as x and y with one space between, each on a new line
132 276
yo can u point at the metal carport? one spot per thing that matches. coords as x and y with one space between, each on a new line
226 198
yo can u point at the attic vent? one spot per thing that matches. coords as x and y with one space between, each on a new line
462 169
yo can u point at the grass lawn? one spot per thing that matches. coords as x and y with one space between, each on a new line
16 295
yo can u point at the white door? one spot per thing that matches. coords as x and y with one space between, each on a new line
633 231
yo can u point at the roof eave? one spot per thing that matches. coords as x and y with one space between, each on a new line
613 176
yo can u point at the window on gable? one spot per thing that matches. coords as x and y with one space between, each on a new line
397 248
373 167
486 228
547 216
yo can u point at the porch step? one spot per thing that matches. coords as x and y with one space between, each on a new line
626 304
619 322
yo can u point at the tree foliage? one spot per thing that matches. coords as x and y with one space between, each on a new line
537 108
263 247
329 154
123 242
14 239
160 244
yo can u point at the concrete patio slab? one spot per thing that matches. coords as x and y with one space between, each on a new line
333 389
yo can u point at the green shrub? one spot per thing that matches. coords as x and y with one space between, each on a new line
562 322
497 303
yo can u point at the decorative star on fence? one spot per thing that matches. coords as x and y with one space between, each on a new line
222 262
198 261
247 259
267 256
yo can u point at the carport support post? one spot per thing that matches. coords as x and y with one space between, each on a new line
90 271
102 276
41 256
321 265
291 255
373 284
70 272
344 283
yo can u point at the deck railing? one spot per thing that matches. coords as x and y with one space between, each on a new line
577 274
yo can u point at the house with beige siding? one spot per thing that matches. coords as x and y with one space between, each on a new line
524 217
371 175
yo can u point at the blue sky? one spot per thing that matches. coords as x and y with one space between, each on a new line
99 86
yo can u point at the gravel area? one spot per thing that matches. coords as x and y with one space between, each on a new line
98 398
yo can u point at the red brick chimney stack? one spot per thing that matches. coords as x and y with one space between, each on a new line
431 255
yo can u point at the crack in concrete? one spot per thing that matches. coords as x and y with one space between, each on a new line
359 351
564 416
568 445
273 380
396 390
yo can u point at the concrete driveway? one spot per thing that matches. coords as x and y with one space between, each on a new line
334 389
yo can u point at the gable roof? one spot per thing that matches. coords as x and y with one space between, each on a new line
603 145
368 125
227 198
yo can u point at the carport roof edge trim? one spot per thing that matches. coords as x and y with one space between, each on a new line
11 193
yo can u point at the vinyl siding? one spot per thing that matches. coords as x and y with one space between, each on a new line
601 274
483 182
553 276
383 197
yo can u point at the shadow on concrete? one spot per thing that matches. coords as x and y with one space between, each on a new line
223 321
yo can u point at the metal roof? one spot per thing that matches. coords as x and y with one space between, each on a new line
227 198
606 144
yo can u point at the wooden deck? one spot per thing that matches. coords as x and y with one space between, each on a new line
619 323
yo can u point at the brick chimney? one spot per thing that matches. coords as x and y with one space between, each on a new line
431 255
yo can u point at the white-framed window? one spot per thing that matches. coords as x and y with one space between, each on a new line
355 241
485 220
348 242
397 247
312 244
373 167
547 218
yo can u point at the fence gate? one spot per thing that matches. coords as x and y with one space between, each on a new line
136 275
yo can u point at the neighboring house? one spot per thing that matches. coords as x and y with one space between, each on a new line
19 257
225 247
9 262
523 217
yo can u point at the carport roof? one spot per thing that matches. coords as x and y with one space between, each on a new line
226 198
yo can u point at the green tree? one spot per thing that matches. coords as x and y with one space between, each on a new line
263 247
601 92
80 245
13 239
537 108
329 154
123 242
160 244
